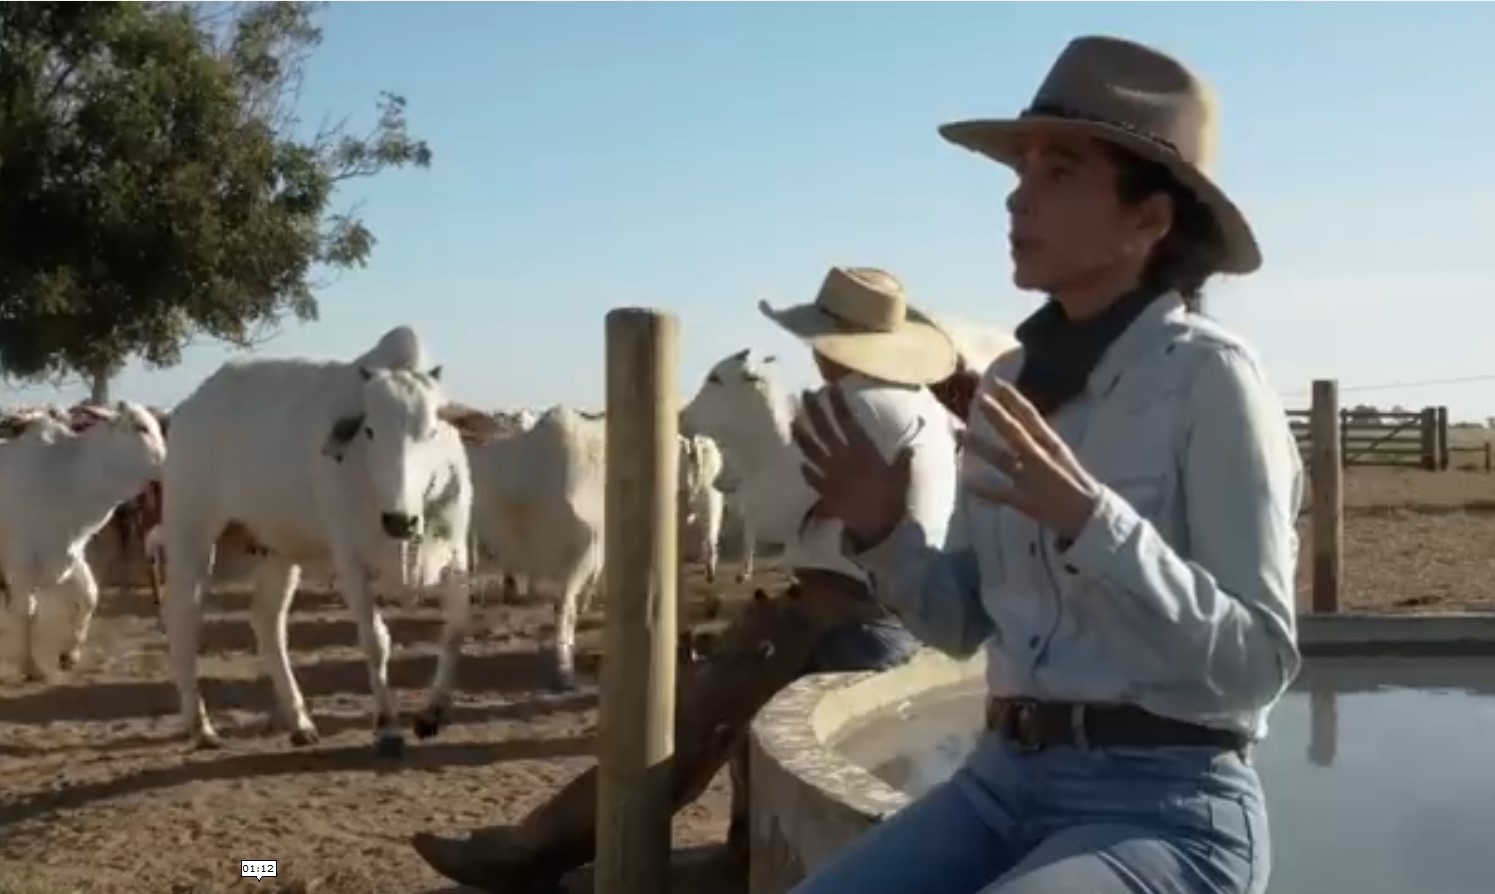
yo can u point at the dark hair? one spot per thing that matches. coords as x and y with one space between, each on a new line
1194 248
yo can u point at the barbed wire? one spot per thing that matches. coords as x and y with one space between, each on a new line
1462 380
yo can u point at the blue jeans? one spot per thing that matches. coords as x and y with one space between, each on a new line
1179 820
865 646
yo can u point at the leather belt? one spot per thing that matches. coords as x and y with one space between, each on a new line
1034 725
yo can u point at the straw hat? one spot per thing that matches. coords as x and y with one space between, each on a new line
861 320
1134 97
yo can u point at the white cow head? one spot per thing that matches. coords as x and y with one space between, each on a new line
737 398
125 442
395 430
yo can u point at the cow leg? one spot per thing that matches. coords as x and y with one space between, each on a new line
565 620
63 620
749 547
456 604
275 581
710 537
373 636
155 559
189 555
21 606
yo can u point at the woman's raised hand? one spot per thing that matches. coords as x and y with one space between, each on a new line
847 470
1045 480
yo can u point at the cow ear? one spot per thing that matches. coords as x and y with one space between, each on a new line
435 373
742 355
364 371
340 435
771 358
469 422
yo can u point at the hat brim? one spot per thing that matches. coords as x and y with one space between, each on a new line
999 140
918 353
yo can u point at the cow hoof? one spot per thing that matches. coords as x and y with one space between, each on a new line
563 680
429 722
206 742
389 745
37 675
68 660
743 577
302 738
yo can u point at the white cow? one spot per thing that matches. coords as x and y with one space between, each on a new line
741 408
57 490
319 460
701 503
978 345
539 509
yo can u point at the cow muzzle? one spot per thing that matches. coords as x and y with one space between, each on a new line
399 526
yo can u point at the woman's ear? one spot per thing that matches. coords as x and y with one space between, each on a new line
1154 220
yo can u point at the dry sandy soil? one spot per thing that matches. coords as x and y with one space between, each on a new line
97 794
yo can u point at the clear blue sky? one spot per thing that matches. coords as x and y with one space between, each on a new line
698 157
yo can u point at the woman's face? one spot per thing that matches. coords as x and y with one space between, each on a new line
1070 231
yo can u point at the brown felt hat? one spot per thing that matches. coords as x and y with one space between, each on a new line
1134 97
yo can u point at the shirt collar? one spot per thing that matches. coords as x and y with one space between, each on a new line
1142 332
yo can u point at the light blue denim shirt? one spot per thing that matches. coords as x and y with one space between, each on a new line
1178 594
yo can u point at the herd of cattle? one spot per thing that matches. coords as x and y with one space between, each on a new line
368 470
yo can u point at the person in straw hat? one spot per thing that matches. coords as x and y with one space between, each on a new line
880 355
1129 492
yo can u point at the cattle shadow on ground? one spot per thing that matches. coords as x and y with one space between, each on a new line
220 636
328 724
503 673
137 602
428 757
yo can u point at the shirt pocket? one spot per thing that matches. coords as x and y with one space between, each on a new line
1136 454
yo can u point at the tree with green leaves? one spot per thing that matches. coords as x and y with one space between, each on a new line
156 184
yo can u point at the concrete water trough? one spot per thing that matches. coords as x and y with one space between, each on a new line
1377 765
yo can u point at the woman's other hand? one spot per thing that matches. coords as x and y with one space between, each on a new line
847 470
1044 480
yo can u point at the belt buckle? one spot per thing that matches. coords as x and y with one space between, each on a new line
1023 726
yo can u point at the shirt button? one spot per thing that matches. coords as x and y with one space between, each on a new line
1071 569
1032 549
1033 642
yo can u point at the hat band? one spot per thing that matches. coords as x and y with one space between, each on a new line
1055 110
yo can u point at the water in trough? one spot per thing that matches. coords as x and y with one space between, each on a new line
1379 773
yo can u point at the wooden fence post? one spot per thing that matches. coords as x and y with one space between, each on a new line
1429 438
1443 446
1326 475
637 718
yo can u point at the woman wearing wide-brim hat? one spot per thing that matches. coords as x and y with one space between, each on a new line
1131 487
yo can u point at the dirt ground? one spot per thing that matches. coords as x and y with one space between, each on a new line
98 795
1413 541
